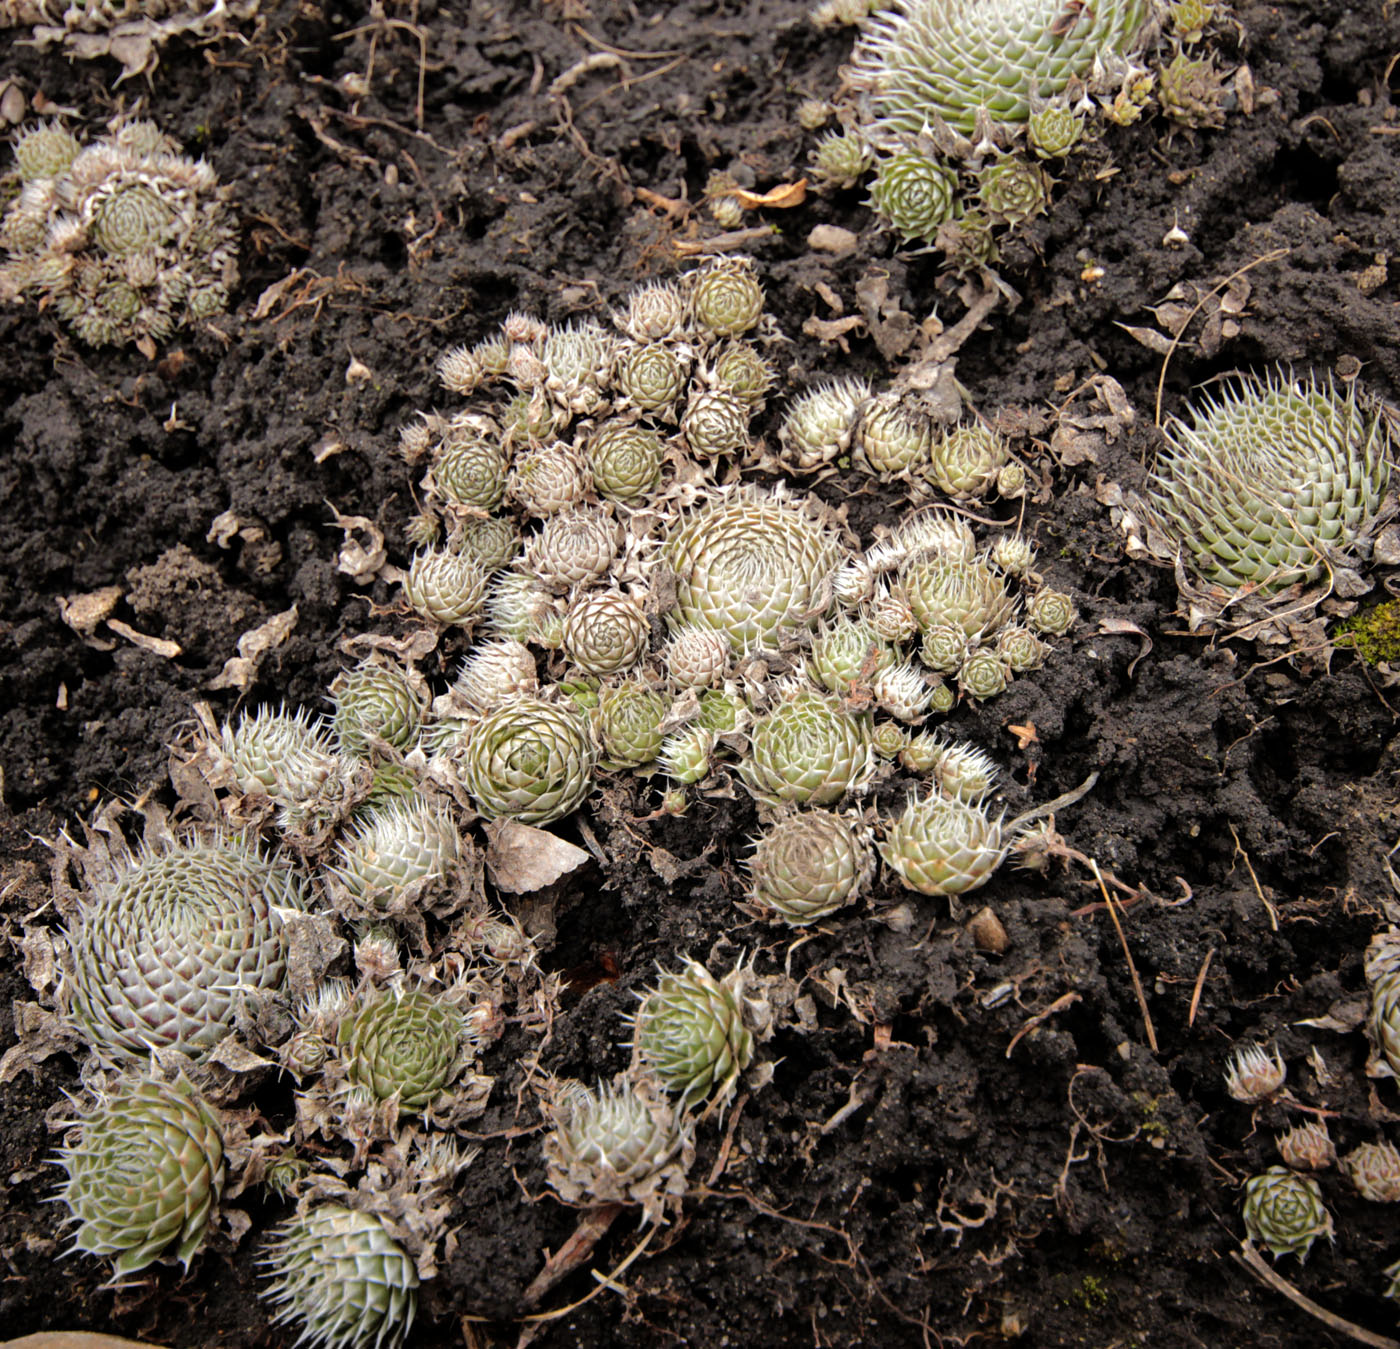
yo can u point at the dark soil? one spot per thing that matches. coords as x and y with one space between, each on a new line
1062 1183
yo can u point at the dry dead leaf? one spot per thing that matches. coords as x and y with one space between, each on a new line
160 646
522 858
84 612
241 670
780 198
360 561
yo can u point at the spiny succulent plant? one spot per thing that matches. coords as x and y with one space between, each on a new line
651 377
1053 130
821 423
984 674
408 1044
726 299
847 652
654 312
753 565
689 1032
578 361
807 749
628 724
375 703
619 1143
892 437
915 192
574 548
469 464
1374 1169
964 461
1013 554
144 1174
1285 1212
405 846
449 588
1253 1074
961 770
695 658
1051 612
841 158
605 631
1275 481
952 61
1307 1147
624 459
1020 649
125 241
739 371
167 954
289 757
1192 91
686 754
548 478
529 760
807 865
969 596
716 425
495 673
941 845
342 1277
489 540
903 692
1013 190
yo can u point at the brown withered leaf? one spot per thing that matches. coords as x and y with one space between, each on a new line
780 198
521 858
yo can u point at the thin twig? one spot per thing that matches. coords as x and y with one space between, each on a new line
1254 1262
1258 889
1200 988
1132 968
1271 256
1060 1003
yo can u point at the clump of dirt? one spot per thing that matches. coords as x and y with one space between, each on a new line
962 1143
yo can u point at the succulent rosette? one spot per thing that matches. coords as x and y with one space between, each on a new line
166 955
949 60
689 1032
1272 482
970 596
1285 1212
373 703
726 299
628 722
941 845
806 866
605 632
446 587
340 1276
624 459
408 1045
529 760
807 749
619 1143
406 844
752 565
144 1174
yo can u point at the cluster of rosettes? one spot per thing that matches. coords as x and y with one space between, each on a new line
186 950
1284 1208
125 238
957 105
1276 482
626 1142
